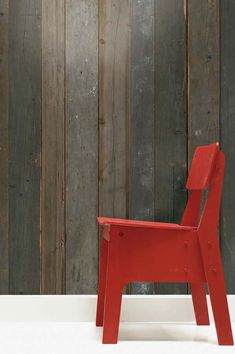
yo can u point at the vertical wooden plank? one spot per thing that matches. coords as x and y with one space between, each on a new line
142 119
4 7
24 145
203 73
81 146
170 119
227 131
114 107
52 184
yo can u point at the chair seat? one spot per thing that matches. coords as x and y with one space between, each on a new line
138 223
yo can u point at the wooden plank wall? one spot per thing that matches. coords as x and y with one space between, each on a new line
203 73
81 146
102 104
170 118
24 146
114 107
227 134
53 148
142 197
4 151
203 98
114 81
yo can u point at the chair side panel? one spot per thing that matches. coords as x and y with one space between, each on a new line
155 255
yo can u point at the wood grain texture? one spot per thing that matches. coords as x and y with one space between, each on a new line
142 120
203 73
81 146
170 119
4 285
53 120
114 107
106 100
24 145
227 133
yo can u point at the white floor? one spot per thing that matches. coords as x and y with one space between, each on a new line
64 324
84 337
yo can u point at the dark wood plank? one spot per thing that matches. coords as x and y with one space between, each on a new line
53 138
4 286
24 145
203 73
142 120
81 146
170 119
227 133
114 107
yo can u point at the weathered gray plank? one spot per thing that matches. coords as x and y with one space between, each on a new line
203 70
24 145
170 119
142 120
53 139
4 285
227 133
82 146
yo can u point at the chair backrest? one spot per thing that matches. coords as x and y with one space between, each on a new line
206 172
203 162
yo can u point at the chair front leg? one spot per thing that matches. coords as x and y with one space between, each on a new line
112 306
200 303
102 282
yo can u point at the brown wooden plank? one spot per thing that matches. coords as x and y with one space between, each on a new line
142 119
203 73
52 184
114 107
24 145
81 146
227 133
170 119
4 285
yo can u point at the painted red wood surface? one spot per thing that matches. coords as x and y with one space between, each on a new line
136 251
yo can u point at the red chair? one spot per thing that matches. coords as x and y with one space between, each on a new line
142 251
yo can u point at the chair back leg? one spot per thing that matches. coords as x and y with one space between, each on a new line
215 279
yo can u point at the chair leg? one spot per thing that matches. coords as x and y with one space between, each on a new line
113 298
216 284
219 305
102 283
200 303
